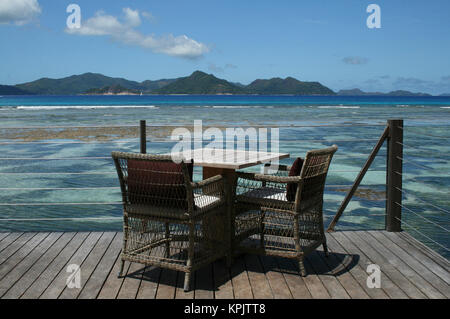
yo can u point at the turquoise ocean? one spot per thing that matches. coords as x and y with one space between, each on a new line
79 187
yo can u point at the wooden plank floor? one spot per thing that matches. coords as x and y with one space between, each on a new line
33 265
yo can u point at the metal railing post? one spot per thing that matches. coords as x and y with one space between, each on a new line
143 136
394 176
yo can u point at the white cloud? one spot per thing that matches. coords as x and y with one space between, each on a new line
215 68
149 16
124 31
355 60
132 17
230 66
18 12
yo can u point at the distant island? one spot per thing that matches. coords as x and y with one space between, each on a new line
196 83
358 92
12 90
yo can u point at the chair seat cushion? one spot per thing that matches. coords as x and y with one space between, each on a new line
202 202
266 196
276 198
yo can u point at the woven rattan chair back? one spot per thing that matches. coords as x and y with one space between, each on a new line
313 174
154 180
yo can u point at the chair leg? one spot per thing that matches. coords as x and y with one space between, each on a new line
261 228
187 282
325 249
125 240
187 276
167 253
120 274
301 266
229 260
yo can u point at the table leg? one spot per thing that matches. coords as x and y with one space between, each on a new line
230 177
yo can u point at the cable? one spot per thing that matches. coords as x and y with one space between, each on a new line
429 135
68 142
430 221
402 221
57 204
421 200
63 218
53 159
189 124
413 163
59 173
56 188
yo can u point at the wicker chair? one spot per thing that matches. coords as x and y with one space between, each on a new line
169 221
268 223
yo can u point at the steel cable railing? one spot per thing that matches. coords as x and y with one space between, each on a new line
309 138
422 234
423 201
427 228
58 173
322 124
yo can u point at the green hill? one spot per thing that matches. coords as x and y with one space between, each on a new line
288 85
358 92
75 84
200 83
406 93
12 90
151 86
79 84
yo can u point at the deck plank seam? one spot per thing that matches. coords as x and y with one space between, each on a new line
394 268
392 280
411 269
25 256
98 263
81 264
107 275
425 249
7 238
31 266
326 260
363 287
322 278
53 259
19 247
64 265
418 261
432 261
284 278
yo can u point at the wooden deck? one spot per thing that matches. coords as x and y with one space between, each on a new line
33 265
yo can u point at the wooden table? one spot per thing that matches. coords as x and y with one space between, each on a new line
225 163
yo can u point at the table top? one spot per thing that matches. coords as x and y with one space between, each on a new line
229 159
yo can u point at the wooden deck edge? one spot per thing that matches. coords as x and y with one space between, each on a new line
425 249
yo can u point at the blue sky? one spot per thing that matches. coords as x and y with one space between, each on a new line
325 41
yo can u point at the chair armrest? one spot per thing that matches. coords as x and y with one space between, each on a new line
269 178
284 168
207 181
212 186
210 193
